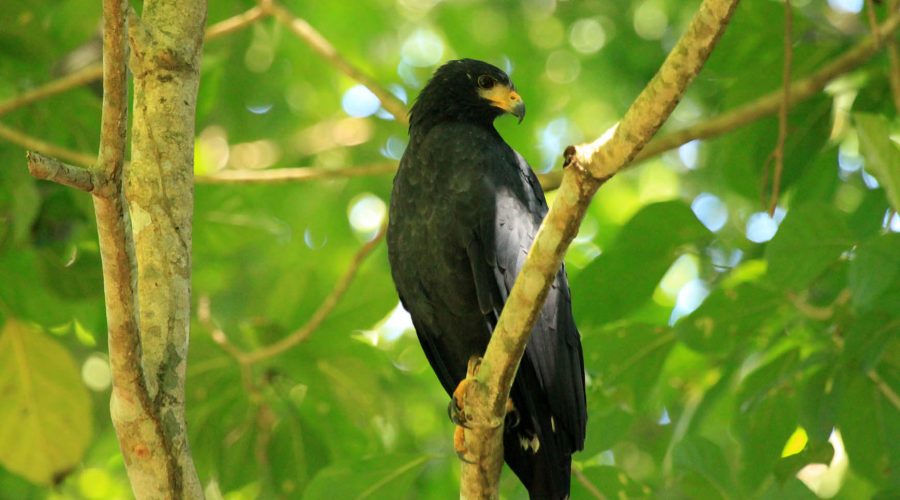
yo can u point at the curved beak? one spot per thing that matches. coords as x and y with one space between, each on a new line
505 98
518 107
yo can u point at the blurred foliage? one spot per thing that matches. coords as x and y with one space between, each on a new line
726 350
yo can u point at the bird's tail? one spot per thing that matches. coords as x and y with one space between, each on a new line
545 472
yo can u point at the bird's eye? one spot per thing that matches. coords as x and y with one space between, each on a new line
486 82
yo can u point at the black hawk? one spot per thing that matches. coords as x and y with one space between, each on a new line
465 208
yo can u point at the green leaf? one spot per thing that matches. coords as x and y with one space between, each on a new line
608 415
874 268
703 457
624 276
727 316
868 338
820 181
809 240
744 167
881 153
815 452
792 489
612 482
45 419
766 416
870 422
818 404
389 476
627 359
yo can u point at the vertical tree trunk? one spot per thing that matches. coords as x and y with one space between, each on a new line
166 45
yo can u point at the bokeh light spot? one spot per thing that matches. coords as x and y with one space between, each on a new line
95 373
761 227
587 36
711 211
367 211
422 49
650 20
359 101
689 298
563 67
846 6
688 154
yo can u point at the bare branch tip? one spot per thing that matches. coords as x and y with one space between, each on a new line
50 169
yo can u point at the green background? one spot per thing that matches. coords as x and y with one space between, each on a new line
797 337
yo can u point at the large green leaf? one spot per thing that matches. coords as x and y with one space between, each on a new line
609 481
881 153
624 276
389 476
727 317
874 268
809 240
766 416
627 360
869 421
704 458
45 418
744 168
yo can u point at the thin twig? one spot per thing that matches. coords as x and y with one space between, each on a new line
324 310
588 485
114 113
280 175
770 103
778 155
94 72
764 106
138 426
32 143
235 23
894 58
873 22
81 77
51 169
324 48
885 389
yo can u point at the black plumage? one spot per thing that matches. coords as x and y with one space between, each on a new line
464 210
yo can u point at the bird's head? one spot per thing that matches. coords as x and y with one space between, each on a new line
467 90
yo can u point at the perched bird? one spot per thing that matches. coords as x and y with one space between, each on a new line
465 208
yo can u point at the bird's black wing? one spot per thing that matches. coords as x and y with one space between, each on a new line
501 206
554 348
465 210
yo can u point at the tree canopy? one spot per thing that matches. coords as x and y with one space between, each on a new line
737 289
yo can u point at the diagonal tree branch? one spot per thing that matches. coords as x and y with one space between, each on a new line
885 389
589 165
83 76
235 23
324 48
33 143
319 316
94 72
764 106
